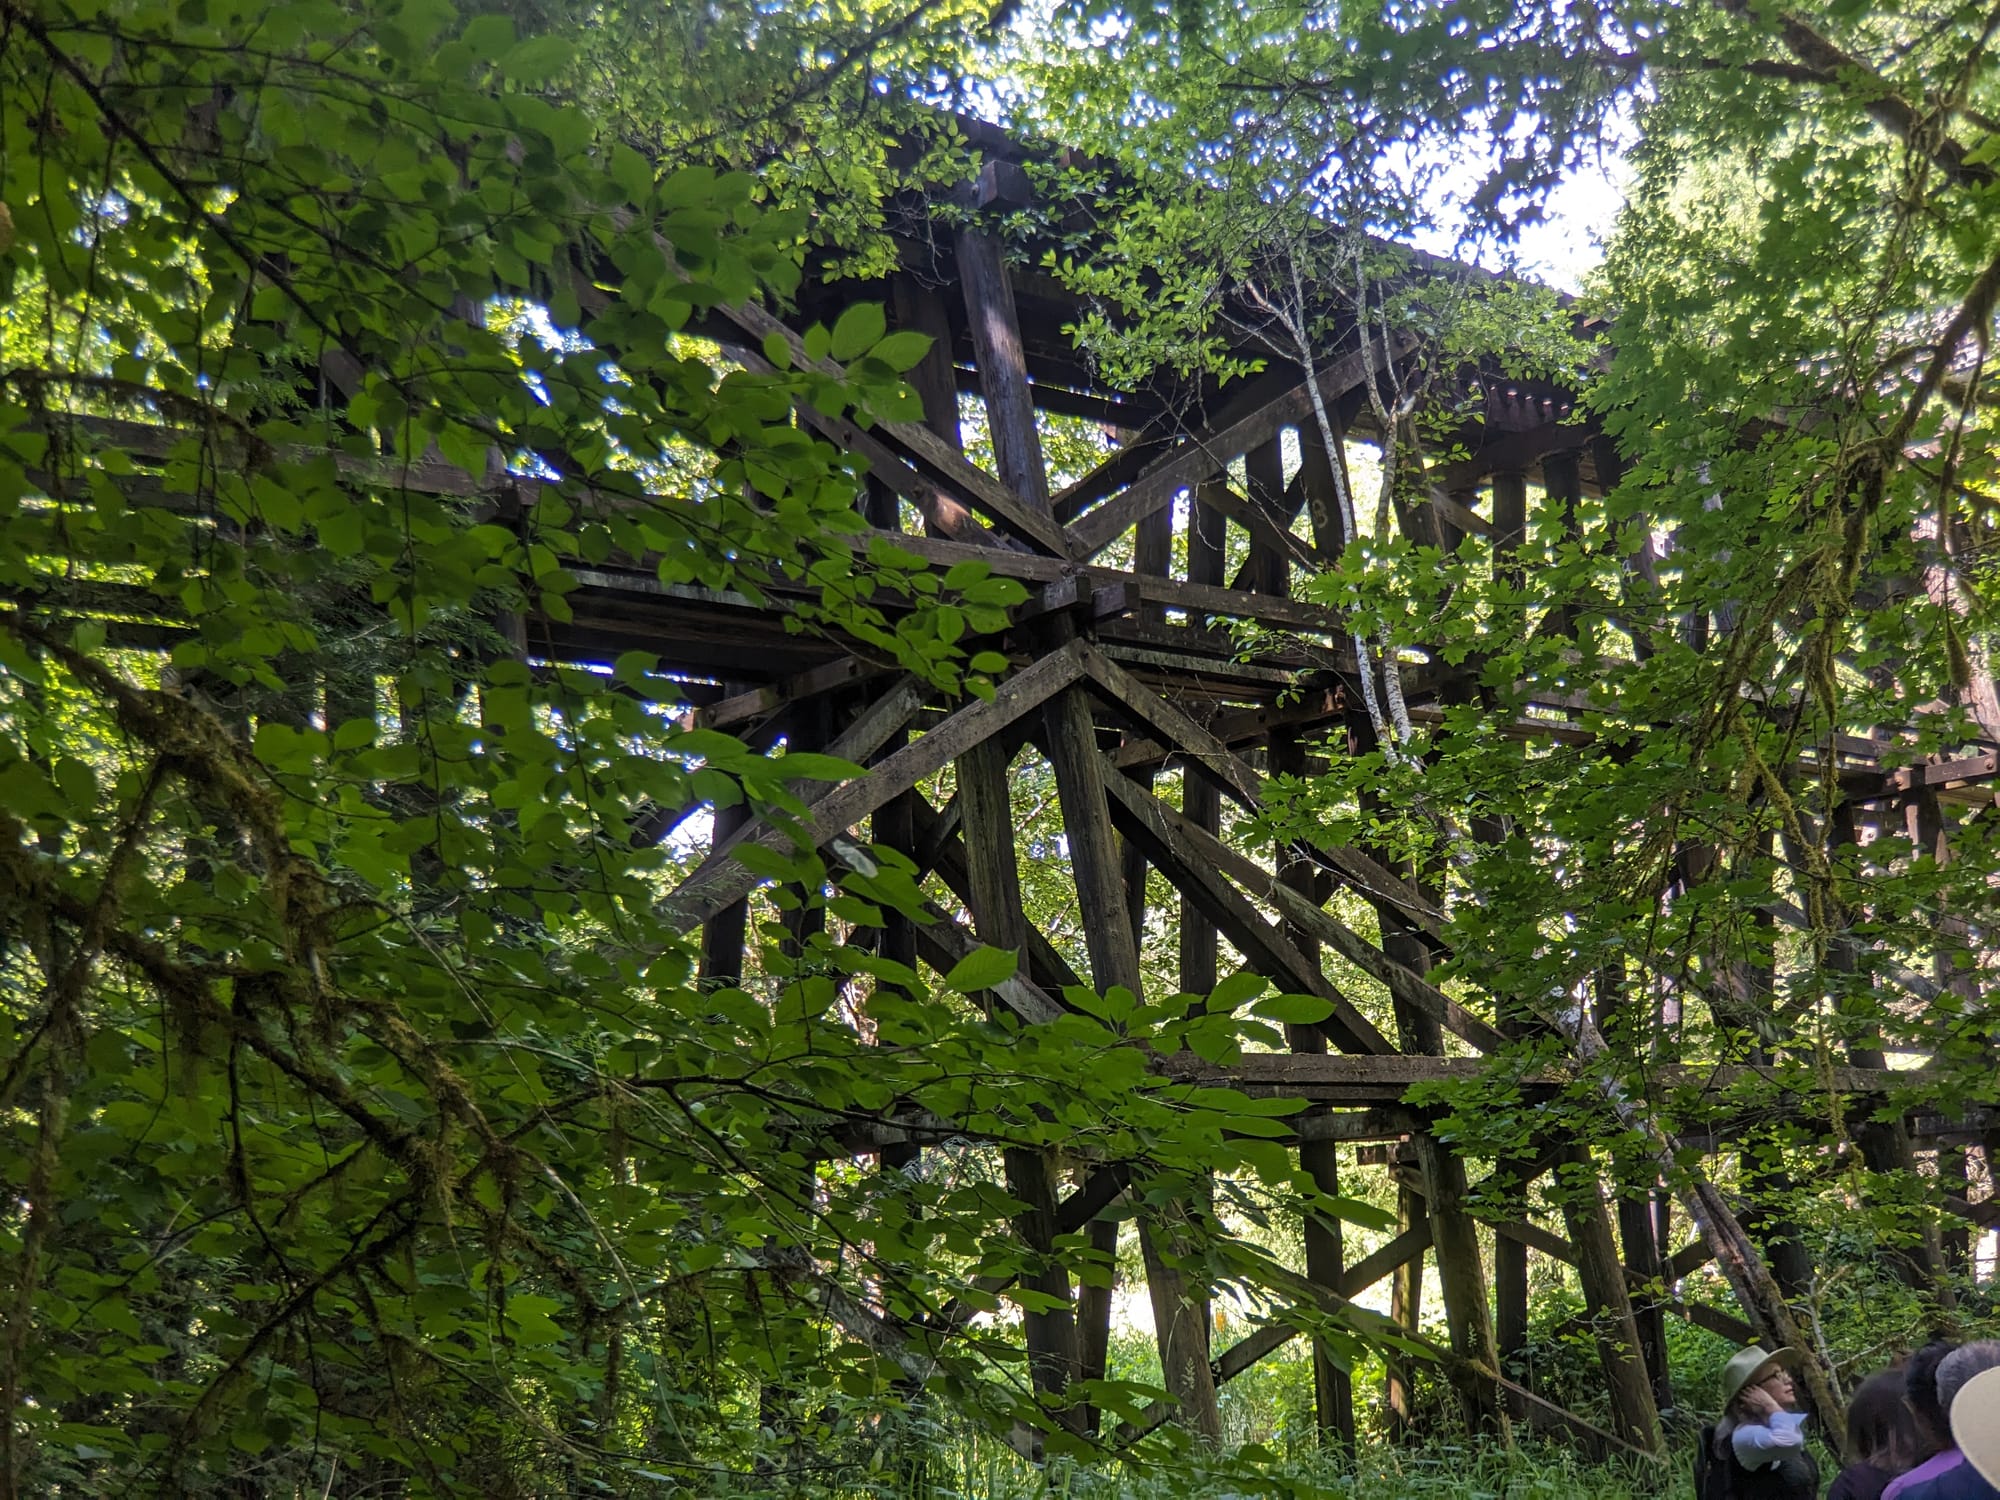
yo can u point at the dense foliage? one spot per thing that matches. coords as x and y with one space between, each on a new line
1796 566
364 1120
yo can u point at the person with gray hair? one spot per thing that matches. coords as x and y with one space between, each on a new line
1957 1479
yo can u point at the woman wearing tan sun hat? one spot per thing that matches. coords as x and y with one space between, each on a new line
1758 1450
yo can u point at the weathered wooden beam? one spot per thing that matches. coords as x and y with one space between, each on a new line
1319 1161
920 309
1405 1311
1462 1277
1206 851
1317 486
1269 567
1003 367
1272 546
1634 1415
720 879
920 449
1315 706
1458 515
1055 1354
1207 540
1199 749
1196 597
1114 411
1510 1302
943 942
941 849
756 704
1510 524
1382 1076
1143 817
1159 441
1201 455
723 933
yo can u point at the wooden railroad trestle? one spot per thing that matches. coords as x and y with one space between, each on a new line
1119 671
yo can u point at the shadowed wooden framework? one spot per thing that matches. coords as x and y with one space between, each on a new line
1118 672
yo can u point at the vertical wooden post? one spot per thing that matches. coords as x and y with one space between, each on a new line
1207 536
1003 366
1322 501
1637 1234
1885 1143
1454 1232
1562 478
722 935
1510 1307
1510 525
1153 551
1955 1178
1333 1388
986 811
1406 1292
1463 1281
1264 469
1179 1317
1054 1355
1448 531
894 827
1633 1413
1932 839
1201 803
1638 1231
919 309
1071 735
1093 1313
1642 1254
1152 556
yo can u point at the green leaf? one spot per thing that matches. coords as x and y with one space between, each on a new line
1293 1010
856 331
903 350
538 59
1237 988
490 36
981 969
810 765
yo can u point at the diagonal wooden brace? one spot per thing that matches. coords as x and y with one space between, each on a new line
721 879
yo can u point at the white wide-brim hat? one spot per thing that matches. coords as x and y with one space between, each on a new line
1975 1423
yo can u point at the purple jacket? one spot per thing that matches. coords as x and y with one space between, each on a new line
1930 1468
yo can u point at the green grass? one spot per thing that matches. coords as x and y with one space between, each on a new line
970 1469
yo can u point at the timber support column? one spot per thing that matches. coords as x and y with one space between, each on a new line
1885 1144
1201 802
1633 1414
1510 1256
1333 1387
1070 732
723 934
1510 525
1406 1292
986 810
1441 1174
1455 1238
1510 1308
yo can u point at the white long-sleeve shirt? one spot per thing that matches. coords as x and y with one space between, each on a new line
1759 1446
